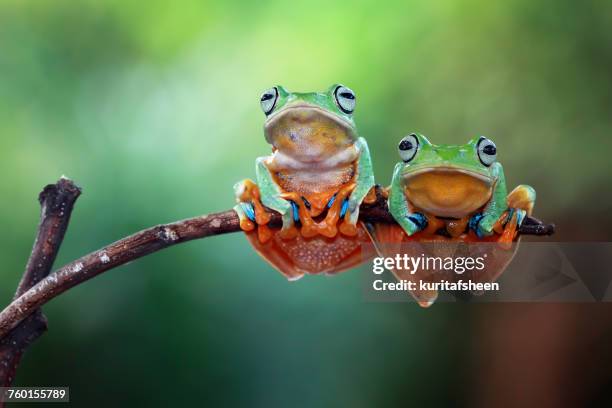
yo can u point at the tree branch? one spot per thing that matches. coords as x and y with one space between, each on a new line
56 201
162 236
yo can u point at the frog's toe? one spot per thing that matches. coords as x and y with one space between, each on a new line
247 221
419 220
344 208
513 221
248 210
413 223
348 229
326 229
474 224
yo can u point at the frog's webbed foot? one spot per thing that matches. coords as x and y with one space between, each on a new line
336 209
520 202
340 210
251 211
348 226
507 226
300 213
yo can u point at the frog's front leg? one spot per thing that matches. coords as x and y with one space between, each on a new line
483 223
271 197
253 197
411 222
364 186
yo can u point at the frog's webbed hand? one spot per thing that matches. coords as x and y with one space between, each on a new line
520 204
250 209
337 208
411 222
271 198
484 222
364 184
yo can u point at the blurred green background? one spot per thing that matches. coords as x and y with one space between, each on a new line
152 107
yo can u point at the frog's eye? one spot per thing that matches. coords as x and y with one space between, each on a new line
268 100
345 99
408 147
487 152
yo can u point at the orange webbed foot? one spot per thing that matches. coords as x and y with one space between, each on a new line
509 232
308 228
250 194
498 227
346 227
328 227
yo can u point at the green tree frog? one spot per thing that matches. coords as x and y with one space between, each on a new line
317 176
452 194
454 187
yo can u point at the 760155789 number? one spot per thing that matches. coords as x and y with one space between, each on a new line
34 394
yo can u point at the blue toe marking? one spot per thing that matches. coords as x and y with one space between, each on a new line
521 217
344 207
473 224
248 210
331 201
510 214
419 220
296 215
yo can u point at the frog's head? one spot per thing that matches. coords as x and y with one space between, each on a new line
309 127
448 180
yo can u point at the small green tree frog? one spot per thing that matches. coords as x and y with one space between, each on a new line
454 187
451 200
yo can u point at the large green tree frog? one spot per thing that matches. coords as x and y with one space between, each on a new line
317 176
452 194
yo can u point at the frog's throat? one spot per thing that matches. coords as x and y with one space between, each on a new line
281 161
411 172
446 191
273 119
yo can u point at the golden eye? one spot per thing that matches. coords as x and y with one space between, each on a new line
268 100
345 99
408 147
486 150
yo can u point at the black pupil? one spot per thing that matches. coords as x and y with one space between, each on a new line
347 95
490 150
405 145
267 97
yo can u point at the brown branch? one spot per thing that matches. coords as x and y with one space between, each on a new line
56 201
159 237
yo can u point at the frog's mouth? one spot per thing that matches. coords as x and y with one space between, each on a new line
308 133
447 191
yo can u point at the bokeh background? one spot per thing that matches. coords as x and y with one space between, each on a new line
152 107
